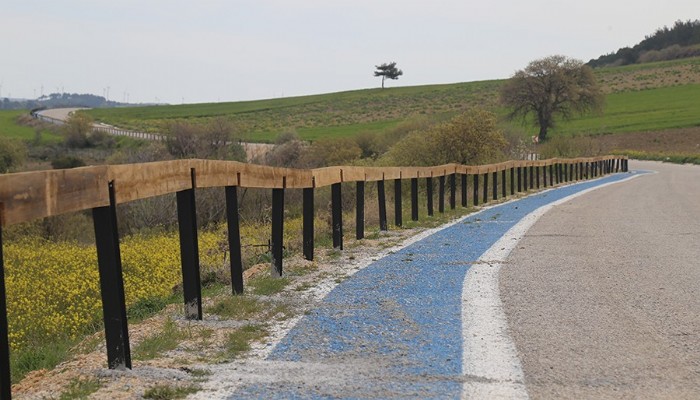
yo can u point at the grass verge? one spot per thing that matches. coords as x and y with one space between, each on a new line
80 389
164 392
154 346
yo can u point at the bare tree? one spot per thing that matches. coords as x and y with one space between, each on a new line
550 87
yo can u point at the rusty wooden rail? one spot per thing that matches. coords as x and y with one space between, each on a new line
33 195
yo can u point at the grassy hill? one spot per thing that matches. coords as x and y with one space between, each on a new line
643 97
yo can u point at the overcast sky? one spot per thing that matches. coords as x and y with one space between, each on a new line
223 50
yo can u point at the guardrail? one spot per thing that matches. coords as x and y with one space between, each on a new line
32 195
106 129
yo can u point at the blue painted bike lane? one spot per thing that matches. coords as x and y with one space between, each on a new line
395 326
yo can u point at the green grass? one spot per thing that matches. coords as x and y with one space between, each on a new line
334 114
11 129
145 308
41 355
166 340
267 285
345 114
237 307
646 110
164 392
80 389
239 341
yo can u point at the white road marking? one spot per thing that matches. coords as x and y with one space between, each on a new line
490 360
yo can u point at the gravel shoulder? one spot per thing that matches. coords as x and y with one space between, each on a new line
602 297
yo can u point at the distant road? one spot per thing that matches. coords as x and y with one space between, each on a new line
60 113
253 150
602 295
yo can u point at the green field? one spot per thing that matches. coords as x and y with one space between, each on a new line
642 111
644 97
11 129
641 98
335 114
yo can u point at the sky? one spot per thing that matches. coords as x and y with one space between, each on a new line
229 50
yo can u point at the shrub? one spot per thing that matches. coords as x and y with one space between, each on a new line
327 152
77 129
66 162
12 154
470 138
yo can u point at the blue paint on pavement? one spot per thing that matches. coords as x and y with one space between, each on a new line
395 326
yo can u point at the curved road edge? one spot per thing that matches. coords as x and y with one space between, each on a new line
489 353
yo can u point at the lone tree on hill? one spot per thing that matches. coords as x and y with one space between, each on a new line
387 70
551 86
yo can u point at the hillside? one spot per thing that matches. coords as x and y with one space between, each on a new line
632 90
680 41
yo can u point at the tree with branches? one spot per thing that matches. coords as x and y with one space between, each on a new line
551 87
387 71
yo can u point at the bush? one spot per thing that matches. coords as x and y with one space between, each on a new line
77 129
12 154
214 140
328 152
470 138
287 151
66 162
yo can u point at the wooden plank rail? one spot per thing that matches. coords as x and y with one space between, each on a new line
32 195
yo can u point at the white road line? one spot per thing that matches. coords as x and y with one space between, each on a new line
490 360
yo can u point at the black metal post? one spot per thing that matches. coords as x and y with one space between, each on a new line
234 239
475 196
441 194
382 206
537 174
464 190
532 177
276 245
453 191
360 210
414 199
512 181
520 179
544 175
503 183
495 185
189 251
571 172
558 173
337 215
551 175
109 264
429 189
5 380
308 222
486 187
398 217
525 178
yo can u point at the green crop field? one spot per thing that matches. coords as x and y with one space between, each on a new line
11 129
335 114
642 111
641 98
644 97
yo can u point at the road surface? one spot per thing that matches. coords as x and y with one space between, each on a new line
602 295
423 322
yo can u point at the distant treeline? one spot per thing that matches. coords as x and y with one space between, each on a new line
680 41
57 100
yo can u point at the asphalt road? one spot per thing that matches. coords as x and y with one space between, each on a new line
602 295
